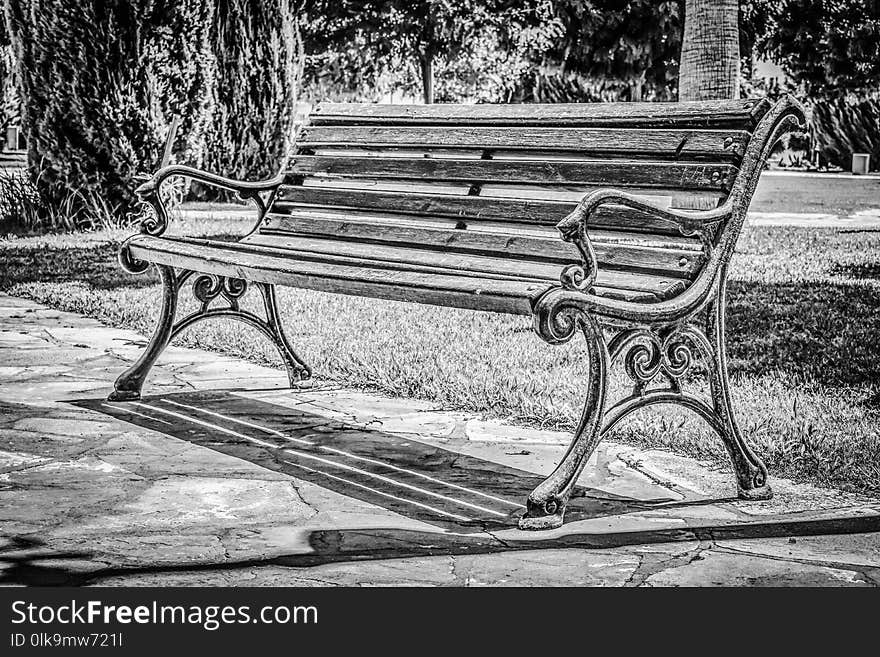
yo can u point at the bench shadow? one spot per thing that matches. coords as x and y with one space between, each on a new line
36 566
418 480
94 263
825 332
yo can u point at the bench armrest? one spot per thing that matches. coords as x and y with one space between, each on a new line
149 192
573 228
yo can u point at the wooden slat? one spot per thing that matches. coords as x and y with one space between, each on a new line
400 256
354 275
671 262
540 172
465 208
744 113
468 264
446 290
305 215
667 143
662 197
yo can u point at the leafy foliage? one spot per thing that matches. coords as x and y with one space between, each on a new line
826 45
631 48
847 124
10 105
831 51
395 45
257 47
100 82
496 51
103 81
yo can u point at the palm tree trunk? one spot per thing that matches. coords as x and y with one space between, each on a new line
426 64
710 51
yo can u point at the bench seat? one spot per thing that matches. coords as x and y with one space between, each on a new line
392 271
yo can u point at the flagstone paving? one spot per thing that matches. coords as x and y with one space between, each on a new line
223 476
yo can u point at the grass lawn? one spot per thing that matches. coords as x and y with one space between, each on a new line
804 341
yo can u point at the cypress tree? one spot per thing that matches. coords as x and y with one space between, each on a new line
101 81
258 48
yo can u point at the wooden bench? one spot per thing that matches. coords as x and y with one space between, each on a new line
456 206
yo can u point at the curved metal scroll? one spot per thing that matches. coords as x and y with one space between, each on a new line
209 287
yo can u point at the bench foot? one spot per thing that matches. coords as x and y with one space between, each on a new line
124 395
538 518
545 507
761 493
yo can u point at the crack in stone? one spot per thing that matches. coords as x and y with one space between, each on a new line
498 538
25 467
630 581
651 566
453 570
299 494
635 464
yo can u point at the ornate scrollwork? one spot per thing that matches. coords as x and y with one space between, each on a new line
574 277
154 217
208 287
671 351
128 262
580 276
557 322
234 288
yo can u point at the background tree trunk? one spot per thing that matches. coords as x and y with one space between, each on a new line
710 51
426 64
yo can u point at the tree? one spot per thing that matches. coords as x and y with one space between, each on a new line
710 51
629 48
371 37
828 47
258 48
100 81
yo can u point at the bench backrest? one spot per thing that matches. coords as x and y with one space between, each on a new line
502 173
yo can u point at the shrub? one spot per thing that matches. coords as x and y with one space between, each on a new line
10 105
847 124
24 208
100 82
258 49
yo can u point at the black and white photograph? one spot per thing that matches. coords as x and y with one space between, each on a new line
434 293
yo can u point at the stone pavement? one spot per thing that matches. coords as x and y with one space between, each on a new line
222 476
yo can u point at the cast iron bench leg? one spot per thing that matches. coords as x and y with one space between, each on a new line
297 370
545 507
128 385
751 473
207 288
